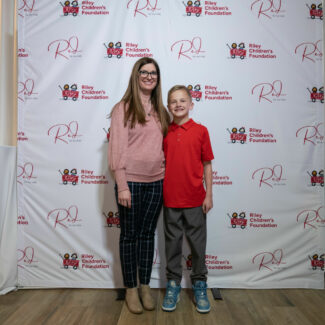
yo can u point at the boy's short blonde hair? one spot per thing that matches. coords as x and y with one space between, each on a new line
178 87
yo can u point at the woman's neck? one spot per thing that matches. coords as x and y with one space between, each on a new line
145 97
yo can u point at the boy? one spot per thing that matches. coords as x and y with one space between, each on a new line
188 156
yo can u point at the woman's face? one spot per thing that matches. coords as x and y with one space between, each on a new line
148 77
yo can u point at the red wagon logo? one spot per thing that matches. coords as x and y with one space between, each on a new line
237 50
316 94
71 177
70 92
112 219
238 220
70 8
195 91
188 262
114 50
317 179
71 261
191 9
317 262
316 12
238 135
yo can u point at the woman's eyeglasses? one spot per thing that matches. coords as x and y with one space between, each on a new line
146 74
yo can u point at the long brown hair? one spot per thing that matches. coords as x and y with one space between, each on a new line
135 111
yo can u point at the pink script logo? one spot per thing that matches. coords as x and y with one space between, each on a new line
268 89
265 260
64 132
62 47
142 6
267 174
187 48
266 7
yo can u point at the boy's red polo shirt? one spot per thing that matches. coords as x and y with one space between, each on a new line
186 147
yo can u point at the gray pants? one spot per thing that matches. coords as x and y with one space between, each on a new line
193 222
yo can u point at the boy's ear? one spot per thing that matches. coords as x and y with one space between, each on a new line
192 105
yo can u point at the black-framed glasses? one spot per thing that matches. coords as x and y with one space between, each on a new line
145 74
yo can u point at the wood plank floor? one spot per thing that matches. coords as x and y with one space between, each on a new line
99 306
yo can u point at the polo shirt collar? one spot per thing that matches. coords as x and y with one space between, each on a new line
185 126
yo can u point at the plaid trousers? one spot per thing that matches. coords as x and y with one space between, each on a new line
138 225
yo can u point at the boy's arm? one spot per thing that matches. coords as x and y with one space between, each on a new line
208 201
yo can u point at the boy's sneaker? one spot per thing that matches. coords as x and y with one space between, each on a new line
171 296
201 297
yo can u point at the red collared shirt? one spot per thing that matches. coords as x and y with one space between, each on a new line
186 147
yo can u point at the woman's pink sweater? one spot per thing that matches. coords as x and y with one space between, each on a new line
135 154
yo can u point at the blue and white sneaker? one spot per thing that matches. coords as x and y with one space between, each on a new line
172 296
201 297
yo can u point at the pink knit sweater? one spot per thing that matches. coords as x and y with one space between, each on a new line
135 154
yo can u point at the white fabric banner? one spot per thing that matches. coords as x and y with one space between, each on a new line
8 220
255 70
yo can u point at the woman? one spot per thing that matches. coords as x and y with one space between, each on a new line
139 122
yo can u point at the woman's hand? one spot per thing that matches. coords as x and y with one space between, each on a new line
124 198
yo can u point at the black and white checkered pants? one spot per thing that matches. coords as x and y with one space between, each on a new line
138 225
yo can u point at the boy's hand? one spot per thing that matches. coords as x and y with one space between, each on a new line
207 204
124 198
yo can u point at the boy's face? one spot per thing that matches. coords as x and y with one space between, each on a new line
179 105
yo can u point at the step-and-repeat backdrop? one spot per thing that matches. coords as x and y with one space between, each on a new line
254 68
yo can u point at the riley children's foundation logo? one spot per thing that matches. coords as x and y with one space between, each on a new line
193 9
309 51
213 262
311 219
218 179
70 8
269 261
21 136
87 92
112 219
255 51
315 10
144 8
269 91
83 7
211 93
311 134
188 262
69 176
316 95
188 49
316 179
65 48
254 136
65 133
69 92
23 53
243 220
195 91
70 261
22 221
86 177
114 50
267 9
269 176
198 8
317 261
64 217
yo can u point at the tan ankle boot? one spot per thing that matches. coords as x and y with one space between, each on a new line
147 300
133 301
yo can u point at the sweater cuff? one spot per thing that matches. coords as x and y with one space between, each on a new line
120 179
